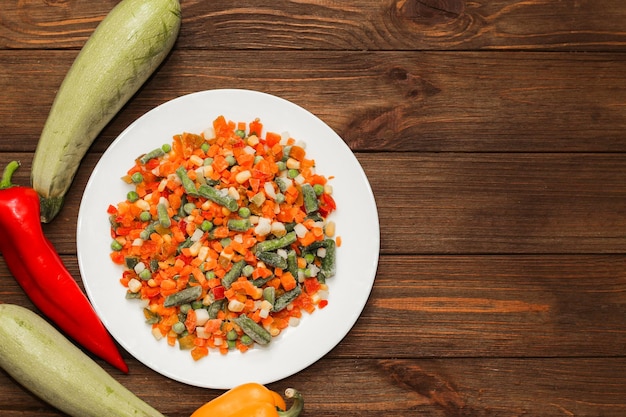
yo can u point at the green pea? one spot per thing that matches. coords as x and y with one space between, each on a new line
178 327
132 196
137 177
206 226
145 216
244 212
319 189
231 160
189 208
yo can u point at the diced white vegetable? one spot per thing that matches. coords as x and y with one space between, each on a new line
134 285
269 190
264 227
243 176
300 230
278 229
202 316
236 306
139 267
197 235
157 333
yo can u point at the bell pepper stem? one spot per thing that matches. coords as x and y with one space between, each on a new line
296 407
7 175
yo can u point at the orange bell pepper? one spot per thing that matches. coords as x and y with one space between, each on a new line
251 400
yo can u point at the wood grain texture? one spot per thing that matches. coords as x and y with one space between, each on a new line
477 306
392 101
492 134
341 25
469 387
460 203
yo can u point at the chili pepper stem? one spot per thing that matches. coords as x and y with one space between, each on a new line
9 170
296 407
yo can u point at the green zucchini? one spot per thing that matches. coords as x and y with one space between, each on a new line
121 54
41 359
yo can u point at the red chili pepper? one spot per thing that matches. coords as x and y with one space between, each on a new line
39 270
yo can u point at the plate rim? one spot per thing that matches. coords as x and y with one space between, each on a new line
201 95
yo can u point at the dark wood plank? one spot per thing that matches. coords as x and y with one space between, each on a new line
395 101
464 203
345 25
400 387
477 306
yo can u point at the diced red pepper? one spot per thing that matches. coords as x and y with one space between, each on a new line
218 292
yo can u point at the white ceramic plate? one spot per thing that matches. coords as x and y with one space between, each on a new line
297 347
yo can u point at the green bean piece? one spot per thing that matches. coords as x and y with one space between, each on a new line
188 184
187 243
132 295
151 155
131 262
315 216
282 184
233 273
186 296
247 270
284 300
253 330
151 317
163 216
215 307
269 295
286 152
239 225
273 259
217 197
328 266
310 199
116 246
151 228
273 244
260 282
292 262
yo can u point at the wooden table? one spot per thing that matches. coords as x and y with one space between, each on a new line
493 135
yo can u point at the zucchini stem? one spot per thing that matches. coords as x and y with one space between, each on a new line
7 175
